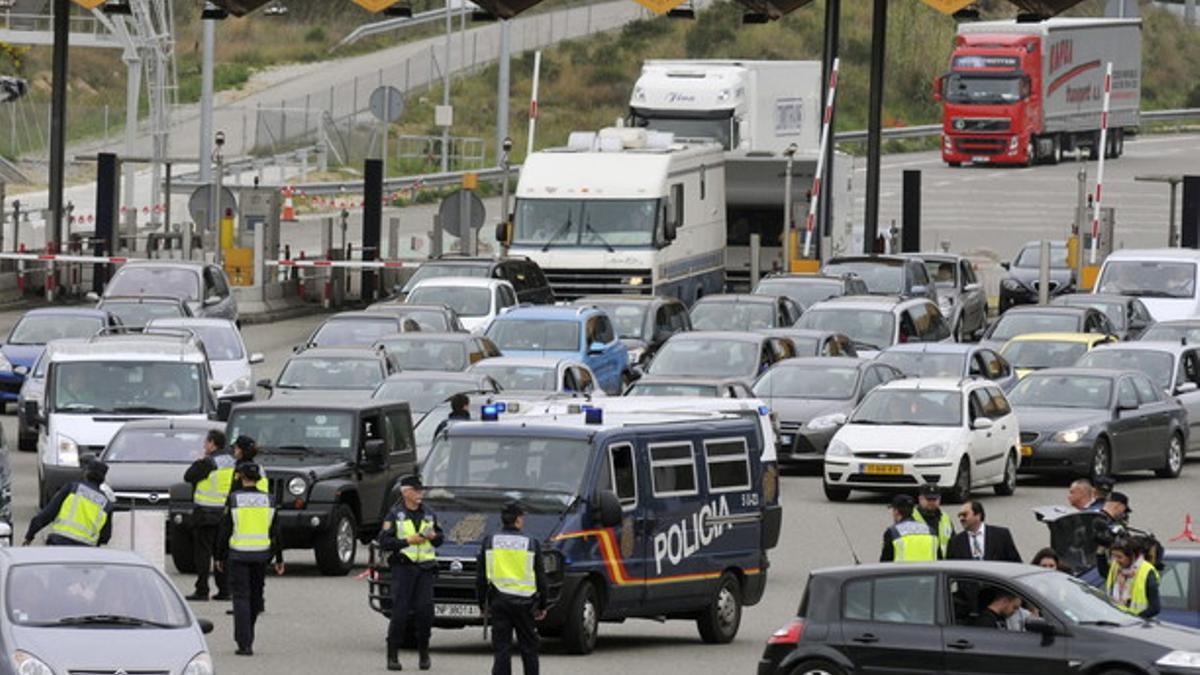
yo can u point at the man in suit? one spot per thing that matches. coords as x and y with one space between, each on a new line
979 541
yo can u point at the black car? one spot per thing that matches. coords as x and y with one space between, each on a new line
1020 287
807 290
741 311
927 618
643 322
904 276
146 457
433 318
526 277
333 466
1041 319
1128 314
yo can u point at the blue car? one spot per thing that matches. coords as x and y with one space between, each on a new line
949 359
1179 587
582 333
29 337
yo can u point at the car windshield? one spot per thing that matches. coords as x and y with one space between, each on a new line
717 315
357 332
470 467
586 222
910 407
1042 353
284 431
804 292
139 280
1062 391
535 335
434 270
468 301
1148 279
1031 256
815 382
155 446
1115 311
942 272
673 389
1078 601
925 364
92 595
868 329
880 278
709 357
128 387
806 346
418 354
629 320
331 373
430 320
422 395
524 378
963 88
1158 366
1013 324
1167 332
222 342
40 329
134 314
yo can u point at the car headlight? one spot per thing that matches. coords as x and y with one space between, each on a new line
201 664
933 451
635 355
1180 659
28 664
825 422
1071 435
837 449
241 385
1011 284
68 451
297 486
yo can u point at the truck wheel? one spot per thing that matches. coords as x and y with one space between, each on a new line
1055 150
1118 142
719 622
336 548
181 550
583 621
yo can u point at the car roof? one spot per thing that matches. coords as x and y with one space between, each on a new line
180 264
935 383
70 555
142 299
549 313
131 347
67 311
1084 338
571 425
1048 309
185 321
739 336
789 331
821 278
622 298
167 424
1165 346
823 362
461 282
882 259
337 353
1005 569
1081 371
688 379
446 376
933 348
429 336
361 315
326 400
1054 243
1181 554
1152 254
934 256
1083 298
737 298
526 361
419 306
1178 323
871 302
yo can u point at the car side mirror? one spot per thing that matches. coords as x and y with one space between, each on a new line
216 386
32 415
92 296
265 383
212 300
596 348
1042 627
1186 388
920 289
205 625
375 453
256 357
610 508
1122 406
982 423
971 287
21 370
1006 265
937 88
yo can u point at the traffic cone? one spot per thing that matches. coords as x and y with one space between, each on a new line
1187 534
289 209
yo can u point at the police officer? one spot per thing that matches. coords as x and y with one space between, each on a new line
411 534
907 540
459 411
212 479
512 586
929 512
248 539
80 514
245 449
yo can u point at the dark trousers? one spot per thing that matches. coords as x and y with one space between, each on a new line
246 580
412 592
59 540
508 616
204 540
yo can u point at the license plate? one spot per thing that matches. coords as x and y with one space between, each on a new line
883 469
447 611
981 158
1026 451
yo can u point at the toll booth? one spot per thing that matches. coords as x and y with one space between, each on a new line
253 238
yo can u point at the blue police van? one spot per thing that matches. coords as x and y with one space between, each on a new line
646 515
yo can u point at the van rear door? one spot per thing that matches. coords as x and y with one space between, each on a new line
625 553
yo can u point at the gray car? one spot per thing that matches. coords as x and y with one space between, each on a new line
1129 315
1045 319
812 397
904 276
146 457
705 387
203 287
941 359
75 609
960 296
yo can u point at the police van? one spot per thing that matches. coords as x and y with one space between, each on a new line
641 515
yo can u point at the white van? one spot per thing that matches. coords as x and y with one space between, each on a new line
95 386
1166 280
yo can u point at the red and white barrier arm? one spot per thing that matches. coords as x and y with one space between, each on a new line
810 222
351 264
54 257
1100 165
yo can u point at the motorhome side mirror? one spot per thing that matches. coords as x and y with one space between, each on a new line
32 414
669 231
504 233
375 452
92 296
610 509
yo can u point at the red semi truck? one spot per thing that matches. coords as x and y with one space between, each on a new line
1025 93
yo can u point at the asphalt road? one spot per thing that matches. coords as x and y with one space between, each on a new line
318 624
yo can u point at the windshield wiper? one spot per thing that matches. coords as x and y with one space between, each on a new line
109 620
1150 293
1102 622
288 449
588 226
143 409
566 227
77 407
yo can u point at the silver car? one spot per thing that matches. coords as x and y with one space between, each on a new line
227 355
203 287
960 296
73 609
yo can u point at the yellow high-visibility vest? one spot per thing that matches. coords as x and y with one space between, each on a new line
945 529
82 516
213 491
510 565
913 542
252 517
1138 601
418 553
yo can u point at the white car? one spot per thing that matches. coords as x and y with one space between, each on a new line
227 355
539 373
476 300
958 434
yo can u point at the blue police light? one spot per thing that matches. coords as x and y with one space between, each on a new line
500 406
593 415
489 413
764 410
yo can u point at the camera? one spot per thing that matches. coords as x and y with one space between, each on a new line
220 139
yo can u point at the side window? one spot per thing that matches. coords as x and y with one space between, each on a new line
216 282
488 347
907 329
978 366
372 429
675 205
399 431
569 384
1146 390
1126 394
980 403
662 322
682 321
970 597
728 464
624 474
967 272
1000 406
584 378
507 297
604 330
1189 365
920 275
518 276
672 469
870 380
938 328
909 599
1176 584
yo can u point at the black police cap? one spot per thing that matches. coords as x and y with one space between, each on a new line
930 490
513 510
903 502
411 481
245 442
249 471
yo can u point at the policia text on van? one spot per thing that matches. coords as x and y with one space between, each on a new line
642 515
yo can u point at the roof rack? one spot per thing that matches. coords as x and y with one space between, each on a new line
181 334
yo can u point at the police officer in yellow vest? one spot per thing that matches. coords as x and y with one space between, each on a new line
247 540
929 512
80 514
211 477
907 540
411 535
245 449
1131 581
512 588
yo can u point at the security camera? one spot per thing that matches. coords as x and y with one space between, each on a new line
220 138
507 144
791 150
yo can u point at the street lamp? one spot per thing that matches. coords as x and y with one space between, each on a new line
790 153
215 199
506 225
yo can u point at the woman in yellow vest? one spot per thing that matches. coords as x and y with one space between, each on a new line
80 514
1132 582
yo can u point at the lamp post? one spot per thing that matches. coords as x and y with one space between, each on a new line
790 153
505 150
214 202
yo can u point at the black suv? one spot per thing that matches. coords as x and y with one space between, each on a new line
524 274
333 465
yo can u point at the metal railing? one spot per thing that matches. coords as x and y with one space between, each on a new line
926 130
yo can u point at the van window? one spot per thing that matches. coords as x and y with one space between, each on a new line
399 431
624 474
728 464
673 469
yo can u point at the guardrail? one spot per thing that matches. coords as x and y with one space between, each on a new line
926 130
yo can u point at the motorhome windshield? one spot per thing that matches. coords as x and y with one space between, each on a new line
717 128
605 223
128 387
530 466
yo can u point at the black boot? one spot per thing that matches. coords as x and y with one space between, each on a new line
393 657
423 655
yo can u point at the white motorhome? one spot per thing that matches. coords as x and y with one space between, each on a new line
624 211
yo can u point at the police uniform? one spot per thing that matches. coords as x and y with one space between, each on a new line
512 586
414 568
941 526
212 480
908 540
80 514
247 540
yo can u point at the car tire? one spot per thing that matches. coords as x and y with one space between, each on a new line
961 491
1173 461
336 548
719 622
1101 464
182 553
582 624
1008 484
819 667
834 493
